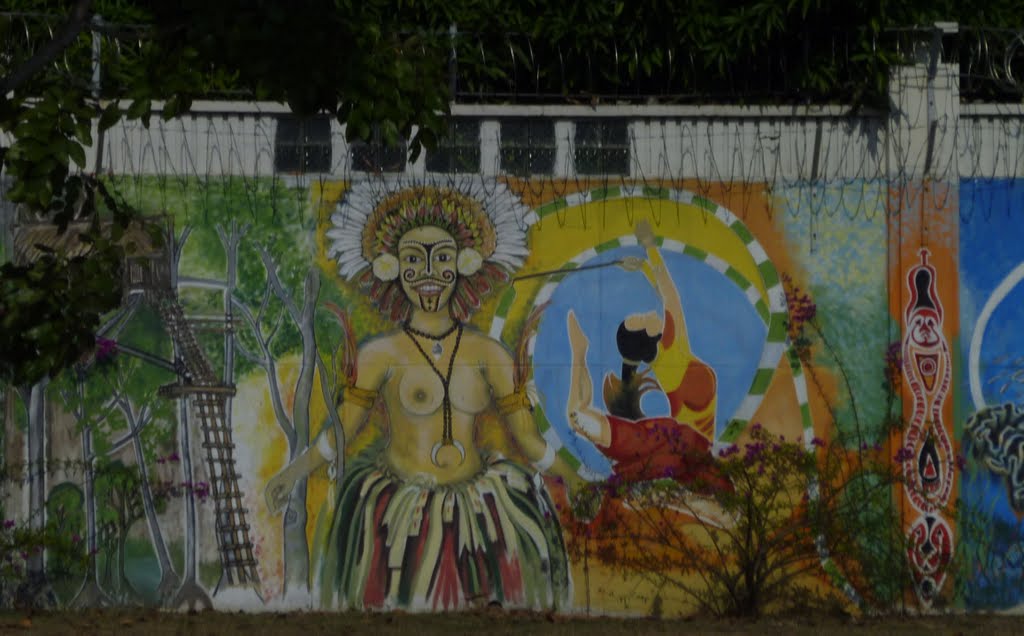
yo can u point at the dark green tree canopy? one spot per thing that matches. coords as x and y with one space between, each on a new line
395 64
392 66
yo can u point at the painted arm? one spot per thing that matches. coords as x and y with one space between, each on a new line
371 371
519 419
583 417
656 271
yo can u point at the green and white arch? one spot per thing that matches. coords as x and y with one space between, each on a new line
770 305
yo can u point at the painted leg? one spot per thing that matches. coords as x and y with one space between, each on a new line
582 416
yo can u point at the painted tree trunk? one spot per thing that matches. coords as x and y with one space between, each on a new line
35 398
91 542
168 577
300 418
124 587
191 542
91 594
296 547
189 594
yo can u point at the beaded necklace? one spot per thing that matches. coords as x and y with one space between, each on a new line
446 378
437 350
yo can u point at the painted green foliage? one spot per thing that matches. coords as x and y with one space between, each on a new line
843 252
261 230
268 230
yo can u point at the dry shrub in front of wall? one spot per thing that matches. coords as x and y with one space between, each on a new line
801 528
803 525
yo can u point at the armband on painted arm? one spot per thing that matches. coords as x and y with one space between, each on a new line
513 402
323 445
544 463
360 397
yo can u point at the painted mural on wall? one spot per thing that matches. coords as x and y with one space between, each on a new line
928 464
992 402
387 394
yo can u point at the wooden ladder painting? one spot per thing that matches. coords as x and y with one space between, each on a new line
208 396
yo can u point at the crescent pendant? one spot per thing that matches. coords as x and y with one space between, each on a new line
437 446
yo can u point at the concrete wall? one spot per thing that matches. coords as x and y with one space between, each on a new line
898 228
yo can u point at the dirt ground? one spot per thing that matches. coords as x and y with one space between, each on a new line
154 623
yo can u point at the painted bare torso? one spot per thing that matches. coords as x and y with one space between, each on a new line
413 395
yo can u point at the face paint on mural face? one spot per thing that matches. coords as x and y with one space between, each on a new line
427 257
924 328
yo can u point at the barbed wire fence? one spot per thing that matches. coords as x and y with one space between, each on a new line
824 153
557 121
830 155
962 122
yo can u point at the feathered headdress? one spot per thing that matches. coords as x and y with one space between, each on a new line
487 221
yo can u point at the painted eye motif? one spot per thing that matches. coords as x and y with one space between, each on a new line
412 259
444 258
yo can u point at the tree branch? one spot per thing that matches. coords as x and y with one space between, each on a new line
273 332
231 239
310 292
120 317
253 321
332 414
145 415
135 426
245 353
179 244
262 311
279 290
81 14
269 367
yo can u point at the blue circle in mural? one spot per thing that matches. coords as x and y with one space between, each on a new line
724 329
1001 352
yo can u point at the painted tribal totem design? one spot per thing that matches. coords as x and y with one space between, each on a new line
928 466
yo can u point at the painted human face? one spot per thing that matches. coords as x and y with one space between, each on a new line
427 261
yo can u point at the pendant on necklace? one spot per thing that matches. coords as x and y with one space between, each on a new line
437 350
